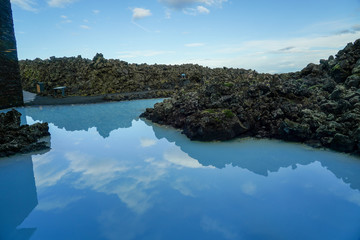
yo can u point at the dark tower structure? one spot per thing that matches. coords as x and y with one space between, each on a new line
10 83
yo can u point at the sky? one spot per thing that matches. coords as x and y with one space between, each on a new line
272 36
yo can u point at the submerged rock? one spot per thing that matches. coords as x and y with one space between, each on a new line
16 138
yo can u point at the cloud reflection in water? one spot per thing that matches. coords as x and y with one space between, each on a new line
144 181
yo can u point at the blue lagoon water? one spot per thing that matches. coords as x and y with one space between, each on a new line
110 175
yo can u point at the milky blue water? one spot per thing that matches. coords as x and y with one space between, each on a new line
110 175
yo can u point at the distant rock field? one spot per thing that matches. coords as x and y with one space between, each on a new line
100 76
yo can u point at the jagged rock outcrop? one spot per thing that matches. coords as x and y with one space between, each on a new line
16 138
318 105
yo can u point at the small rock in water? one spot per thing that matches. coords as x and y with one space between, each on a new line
18 138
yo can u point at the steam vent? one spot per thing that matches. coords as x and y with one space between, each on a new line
10 84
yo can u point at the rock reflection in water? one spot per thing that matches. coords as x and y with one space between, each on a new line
150 182
18 196
105 117
260 156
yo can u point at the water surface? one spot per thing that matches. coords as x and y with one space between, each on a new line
111 175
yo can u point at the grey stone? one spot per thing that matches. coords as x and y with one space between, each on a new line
356 69
342 143
353 81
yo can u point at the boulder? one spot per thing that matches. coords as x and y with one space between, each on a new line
353 81
294 131
356 69
336 93
342 143
329 85
340 71
18 138
213 124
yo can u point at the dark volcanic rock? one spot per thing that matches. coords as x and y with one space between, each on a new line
318 105
16 138
353 80
342 143
213 125
294 131
139 95
100 76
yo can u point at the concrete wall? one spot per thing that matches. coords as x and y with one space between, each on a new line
10 83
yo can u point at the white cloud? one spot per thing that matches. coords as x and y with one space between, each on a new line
355 198
196 11
146 142
145 53
54 203
194 44
182 185
213 2
212 225
356 27
139 13
45 176
203 10
96 11
27 5
190 11
181 159
178 4
130 180
248 188
269 55
182 4
101 174
66 19
59 3
338 26
167 14
85 27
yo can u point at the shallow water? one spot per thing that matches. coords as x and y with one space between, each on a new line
111 175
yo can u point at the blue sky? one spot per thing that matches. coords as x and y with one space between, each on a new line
268 36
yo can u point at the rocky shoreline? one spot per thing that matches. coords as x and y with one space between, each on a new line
319 105
17 138
139 95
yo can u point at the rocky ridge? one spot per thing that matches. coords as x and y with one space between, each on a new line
99 76
16 138
319 105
